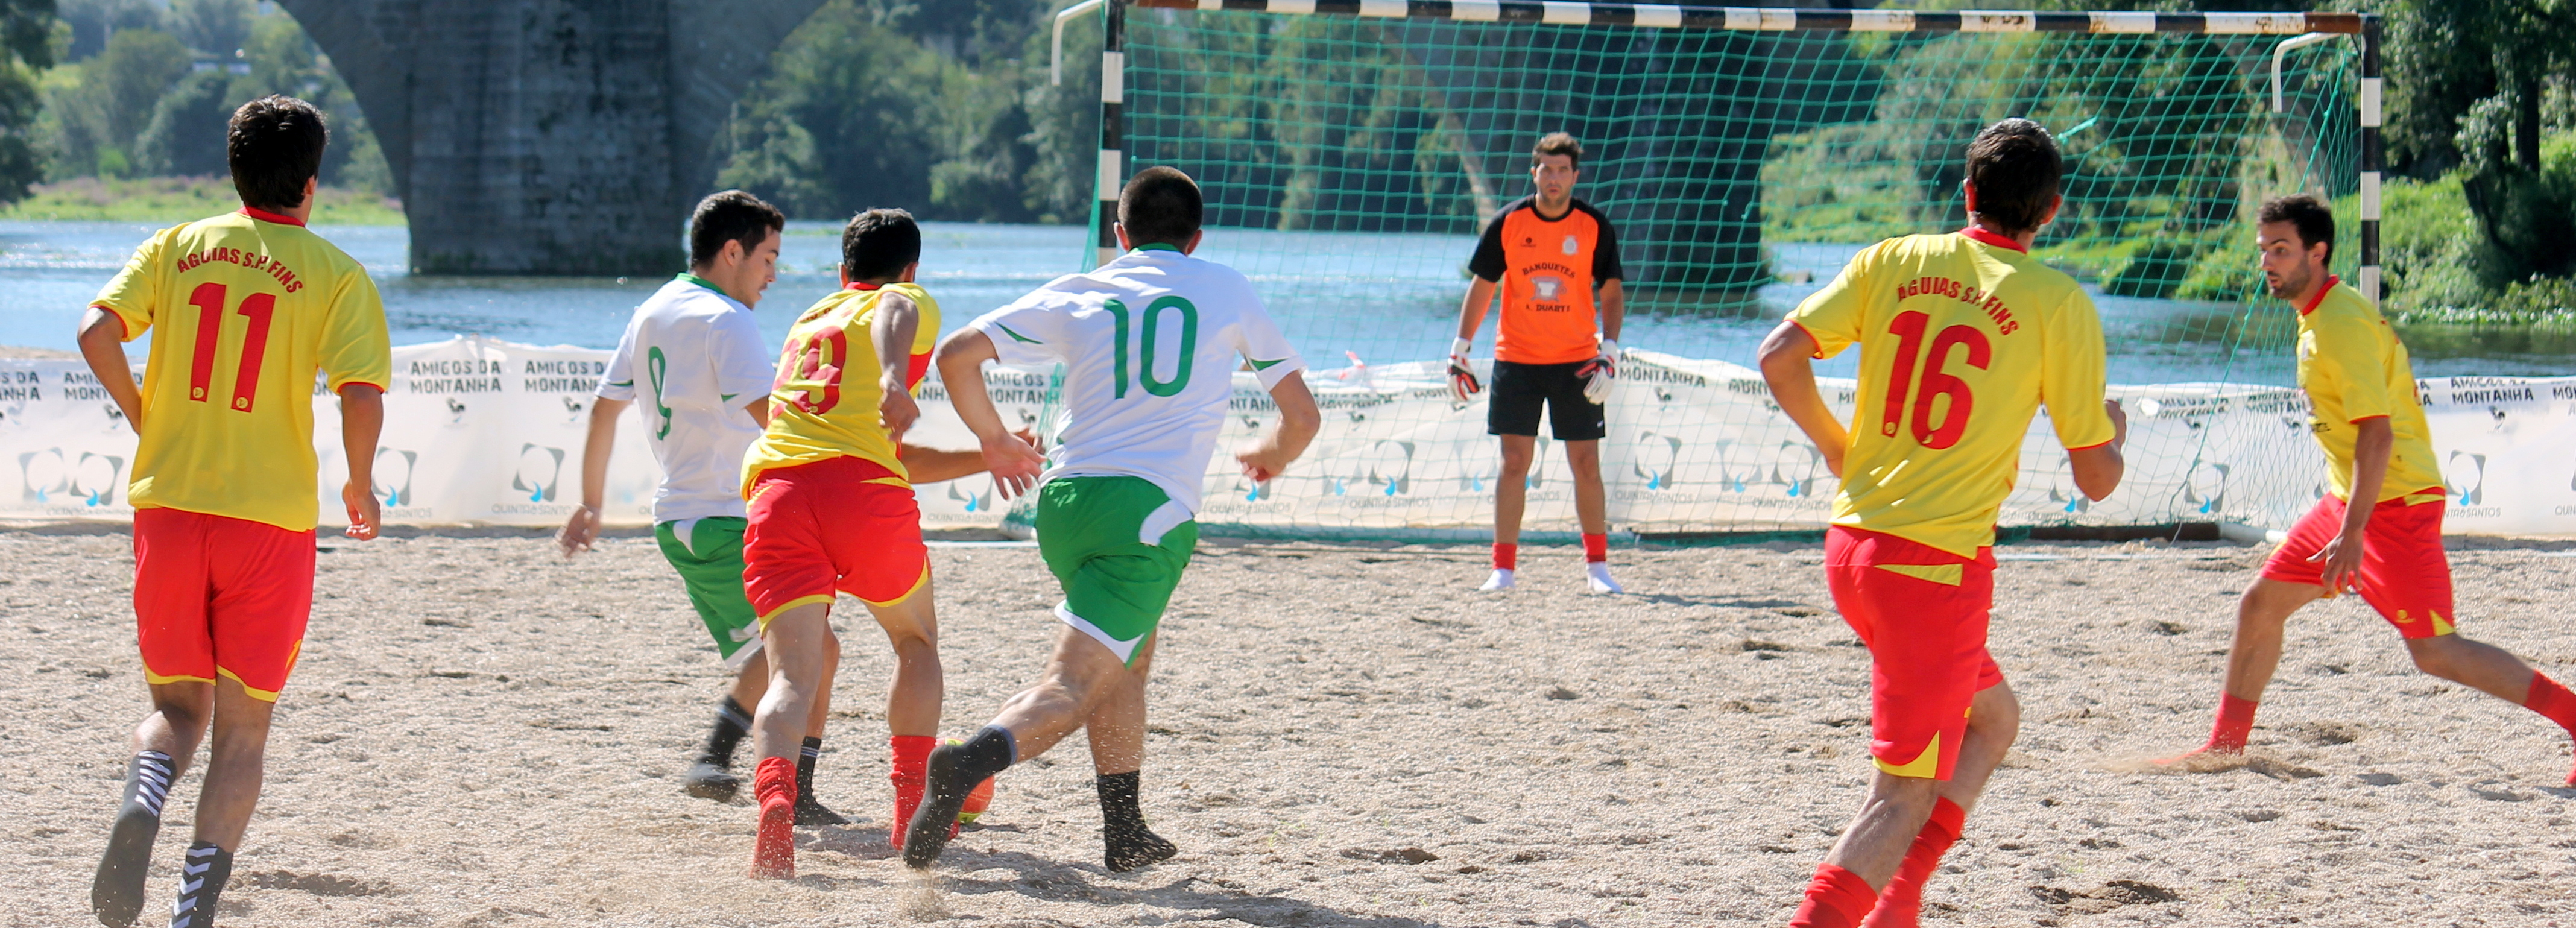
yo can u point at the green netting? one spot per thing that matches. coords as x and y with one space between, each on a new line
1349 162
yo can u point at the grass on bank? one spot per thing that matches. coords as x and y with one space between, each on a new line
173 200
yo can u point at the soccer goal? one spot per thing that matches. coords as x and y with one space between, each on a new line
1351 149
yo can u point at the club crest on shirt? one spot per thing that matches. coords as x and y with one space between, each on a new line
1571 246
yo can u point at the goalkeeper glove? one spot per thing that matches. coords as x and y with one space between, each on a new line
1600 373
1462 375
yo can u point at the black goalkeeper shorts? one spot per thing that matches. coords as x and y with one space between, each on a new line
1521 390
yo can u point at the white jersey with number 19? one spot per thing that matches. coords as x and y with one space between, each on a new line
1149 343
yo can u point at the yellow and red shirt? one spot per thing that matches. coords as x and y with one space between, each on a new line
249 306
2354 368
1548 269
1963 337
824 402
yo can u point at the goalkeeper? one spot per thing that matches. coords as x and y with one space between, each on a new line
1548 253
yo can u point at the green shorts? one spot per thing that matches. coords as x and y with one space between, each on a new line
1118 545
710 566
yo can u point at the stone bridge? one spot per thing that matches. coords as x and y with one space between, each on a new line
549 136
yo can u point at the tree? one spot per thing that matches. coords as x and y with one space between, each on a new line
26 33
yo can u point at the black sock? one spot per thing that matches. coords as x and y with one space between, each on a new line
991 751
805 758
1122 825
732 723
147 784
201 885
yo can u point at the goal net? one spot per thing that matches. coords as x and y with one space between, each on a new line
1350 151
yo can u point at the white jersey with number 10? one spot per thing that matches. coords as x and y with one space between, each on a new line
1149 343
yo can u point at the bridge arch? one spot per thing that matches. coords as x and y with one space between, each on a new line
548 136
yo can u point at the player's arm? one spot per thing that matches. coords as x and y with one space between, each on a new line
582 527
102 344
1614 308
2098 469
2373 441
932 465
362 422
891 330
960 358
1788 365
759 410
1299 420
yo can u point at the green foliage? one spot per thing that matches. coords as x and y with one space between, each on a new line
178 199
926 106
155 99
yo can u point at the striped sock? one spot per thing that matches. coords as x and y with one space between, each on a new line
148 783
201 885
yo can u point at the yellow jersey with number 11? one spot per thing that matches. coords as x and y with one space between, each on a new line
824 403
248 306
1962 338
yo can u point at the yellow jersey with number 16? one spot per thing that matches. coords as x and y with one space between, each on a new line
249 306
1962 338
824 403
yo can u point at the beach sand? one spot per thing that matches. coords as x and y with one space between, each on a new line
482 734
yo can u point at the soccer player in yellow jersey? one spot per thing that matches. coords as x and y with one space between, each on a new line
832 511
2364 413
1962 337
248 307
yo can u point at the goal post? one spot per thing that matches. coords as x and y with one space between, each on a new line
1350 150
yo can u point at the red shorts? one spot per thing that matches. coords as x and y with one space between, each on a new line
1922 612
843 524
2404 573
219 596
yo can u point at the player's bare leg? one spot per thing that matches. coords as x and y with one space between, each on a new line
164 744
1994 721
913 700
801 650
1592 511
810 812
2252 656
1511 498
1082 678
711 776
1116 727
2496 672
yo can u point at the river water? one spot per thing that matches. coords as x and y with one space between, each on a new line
1381 298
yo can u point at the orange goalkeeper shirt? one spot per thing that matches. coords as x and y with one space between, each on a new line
249 306
1962 338
824 403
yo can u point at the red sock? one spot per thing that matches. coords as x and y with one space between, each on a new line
1596 548
1836 898
1902 901
2235 722
773 853
911 775
1506 555
2552 700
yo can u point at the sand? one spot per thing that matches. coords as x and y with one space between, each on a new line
481 734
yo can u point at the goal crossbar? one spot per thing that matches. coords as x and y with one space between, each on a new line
1747 18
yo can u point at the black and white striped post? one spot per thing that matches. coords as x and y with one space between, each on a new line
2367 278
1113 129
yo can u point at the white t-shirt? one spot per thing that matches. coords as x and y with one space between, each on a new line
693 358
1149 343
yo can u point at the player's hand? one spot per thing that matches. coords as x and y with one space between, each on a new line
1600 373
2119 422
1833 461
2341 559
1014 462
1261 464
1031 436
366 512
1462 373
897 412
579 531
